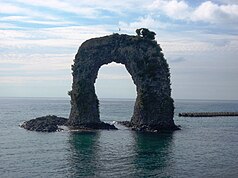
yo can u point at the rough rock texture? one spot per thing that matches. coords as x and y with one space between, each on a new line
149 128
94 126
50 123
146 64
44 124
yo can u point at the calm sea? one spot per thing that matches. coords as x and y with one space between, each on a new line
205 147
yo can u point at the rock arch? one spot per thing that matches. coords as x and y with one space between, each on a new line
143 59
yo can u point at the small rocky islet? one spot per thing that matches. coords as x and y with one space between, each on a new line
48 123
145 62
51 123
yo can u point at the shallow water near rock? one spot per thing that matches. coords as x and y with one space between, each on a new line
205 147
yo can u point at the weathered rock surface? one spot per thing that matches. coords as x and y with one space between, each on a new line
95 126
149 128
143 59
50 123
44 124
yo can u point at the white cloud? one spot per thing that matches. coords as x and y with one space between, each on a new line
188 42
7 25
27 52
29 47
36 62
119 7
183 41
63 6
113 71
26 79
227 1
207 11
27 19
92 9
48 22
51 37
14 18
8 8
114 77
142 22
210 12
174 9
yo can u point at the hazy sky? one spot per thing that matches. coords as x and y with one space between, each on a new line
39 39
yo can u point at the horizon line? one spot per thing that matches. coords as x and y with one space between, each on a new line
61 97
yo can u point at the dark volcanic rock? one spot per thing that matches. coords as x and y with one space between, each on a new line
149 128
44 124
51 123
144 60
95 126
125 123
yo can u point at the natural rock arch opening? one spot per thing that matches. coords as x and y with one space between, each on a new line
114 81
143 59
116 93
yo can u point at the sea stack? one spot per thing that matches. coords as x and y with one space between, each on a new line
143 59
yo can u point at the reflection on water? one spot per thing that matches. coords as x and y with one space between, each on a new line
153 153
83 156
205 147
116 153
121 153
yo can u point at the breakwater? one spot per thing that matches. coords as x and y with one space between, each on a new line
207 114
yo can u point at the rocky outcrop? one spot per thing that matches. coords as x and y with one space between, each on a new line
50 123
149 128
44 124
94 126
143 59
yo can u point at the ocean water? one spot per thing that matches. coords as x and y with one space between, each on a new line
205 147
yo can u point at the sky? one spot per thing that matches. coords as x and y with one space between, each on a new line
39 39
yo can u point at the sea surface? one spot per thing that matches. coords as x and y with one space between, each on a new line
204 147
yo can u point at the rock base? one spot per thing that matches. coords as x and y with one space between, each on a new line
94 126
149 128
48 123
